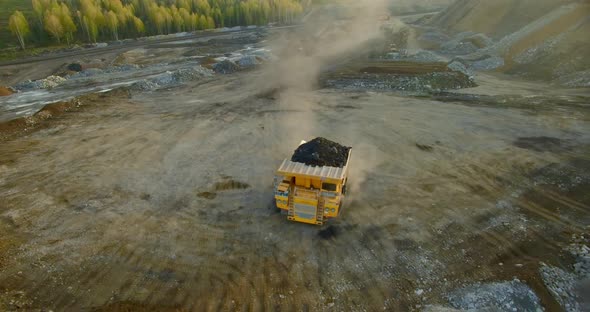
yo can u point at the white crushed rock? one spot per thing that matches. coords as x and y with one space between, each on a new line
47 83
499 296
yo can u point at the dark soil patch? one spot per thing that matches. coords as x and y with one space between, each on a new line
343 106
541 144
207 195
321 152
272 94
75 67
423 147
230 184
404 68
329 232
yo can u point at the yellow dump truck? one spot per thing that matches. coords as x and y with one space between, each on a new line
310 194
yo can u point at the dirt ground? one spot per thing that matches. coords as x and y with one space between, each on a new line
161 199
101 209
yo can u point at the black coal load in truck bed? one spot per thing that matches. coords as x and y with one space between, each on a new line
321 152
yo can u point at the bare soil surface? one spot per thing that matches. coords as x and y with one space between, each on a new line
112 206
128 197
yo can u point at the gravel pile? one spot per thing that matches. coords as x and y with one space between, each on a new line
321 152
562 286
570 288
122 68
460 67
534 53
459 47
427 83
489 63
249 61
91 72
47 83
579 79
226 67
418 56
172 78
501 296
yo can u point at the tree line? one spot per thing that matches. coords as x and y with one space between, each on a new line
92 20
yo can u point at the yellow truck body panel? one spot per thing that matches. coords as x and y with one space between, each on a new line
310 194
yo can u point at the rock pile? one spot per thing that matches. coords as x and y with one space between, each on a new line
562 285
500 296
47 83
171 78
321 152
226 67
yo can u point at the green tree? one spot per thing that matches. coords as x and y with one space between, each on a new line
139 26
65 17
53 26
39 7
112 23
18 25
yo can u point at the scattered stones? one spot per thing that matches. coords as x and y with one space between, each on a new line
47 83
226 67
460 67
459 47
248 61
489 63
566 177
321 152
424 83
503 296
418 56
579 79
171 78
562 286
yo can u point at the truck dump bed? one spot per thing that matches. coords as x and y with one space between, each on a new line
291 168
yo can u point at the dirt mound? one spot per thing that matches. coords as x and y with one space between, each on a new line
540 39
321 152
508 15
5 91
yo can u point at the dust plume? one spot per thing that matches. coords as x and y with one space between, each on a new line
329 34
